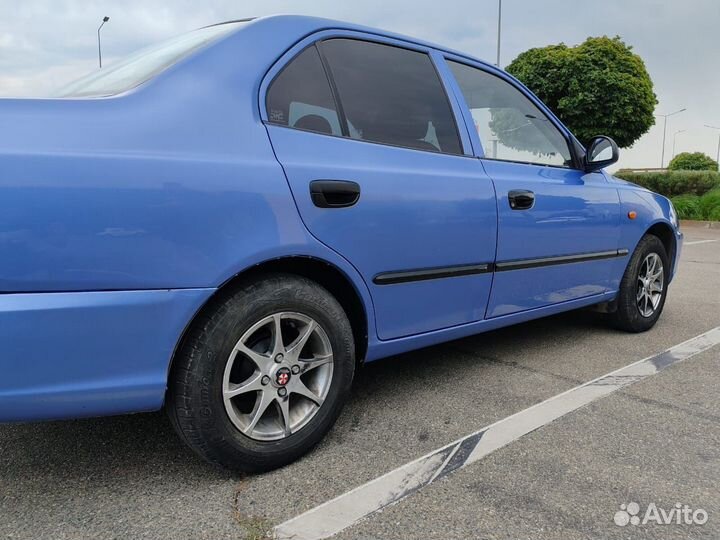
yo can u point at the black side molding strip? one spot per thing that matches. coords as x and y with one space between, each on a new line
564 259
390 278
407 276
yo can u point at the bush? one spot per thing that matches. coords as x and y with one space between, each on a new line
710 205
696 161
672 183
687 206
706 207
714 214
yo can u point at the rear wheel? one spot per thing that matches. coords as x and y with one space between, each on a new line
263 374
643 287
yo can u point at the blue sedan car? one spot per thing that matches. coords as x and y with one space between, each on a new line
228 224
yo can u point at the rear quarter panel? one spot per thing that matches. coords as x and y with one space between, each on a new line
160 188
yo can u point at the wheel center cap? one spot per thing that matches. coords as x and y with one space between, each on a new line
282 377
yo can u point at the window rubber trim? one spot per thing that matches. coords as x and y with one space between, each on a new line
344 129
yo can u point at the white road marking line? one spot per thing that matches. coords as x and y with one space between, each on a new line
340 513
694 243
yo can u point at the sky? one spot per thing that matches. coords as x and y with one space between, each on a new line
45 44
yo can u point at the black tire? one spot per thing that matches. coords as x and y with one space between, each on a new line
194 399
628 316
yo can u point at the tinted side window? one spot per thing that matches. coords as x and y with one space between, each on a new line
391 95
300 96
510 126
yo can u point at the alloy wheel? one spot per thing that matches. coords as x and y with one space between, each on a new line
277 376
650 285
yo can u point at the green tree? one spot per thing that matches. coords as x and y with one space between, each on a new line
695 161
599 87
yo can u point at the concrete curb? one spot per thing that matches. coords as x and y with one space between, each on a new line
699 224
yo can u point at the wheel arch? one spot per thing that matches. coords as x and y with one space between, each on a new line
665 233
318 270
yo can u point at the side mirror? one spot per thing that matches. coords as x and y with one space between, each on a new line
603 151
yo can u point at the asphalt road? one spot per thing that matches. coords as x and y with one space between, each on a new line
657 441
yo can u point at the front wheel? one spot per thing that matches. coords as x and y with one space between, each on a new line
263 374
643 288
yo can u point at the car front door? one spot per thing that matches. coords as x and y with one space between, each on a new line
380 173
558 227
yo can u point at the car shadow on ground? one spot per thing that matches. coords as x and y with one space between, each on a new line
119 446
141 444
502 345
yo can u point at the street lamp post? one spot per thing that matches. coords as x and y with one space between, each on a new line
497 63
718 146
674 136
665 116
105 19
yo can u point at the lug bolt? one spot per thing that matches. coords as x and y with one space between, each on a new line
295 369
265 380
278 358
282 392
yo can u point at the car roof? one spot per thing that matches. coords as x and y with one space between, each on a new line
305 25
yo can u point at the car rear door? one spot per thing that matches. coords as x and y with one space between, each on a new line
381 173
558 227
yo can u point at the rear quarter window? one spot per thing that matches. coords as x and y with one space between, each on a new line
300 96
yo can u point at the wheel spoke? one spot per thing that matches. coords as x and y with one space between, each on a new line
278 347
656 286
260 360
284 410
252 384
296 347
640 293
261 405
300 388
315 362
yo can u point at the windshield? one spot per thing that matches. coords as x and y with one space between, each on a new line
145 64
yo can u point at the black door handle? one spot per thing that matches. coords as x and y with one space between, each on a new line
521 199
334 193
